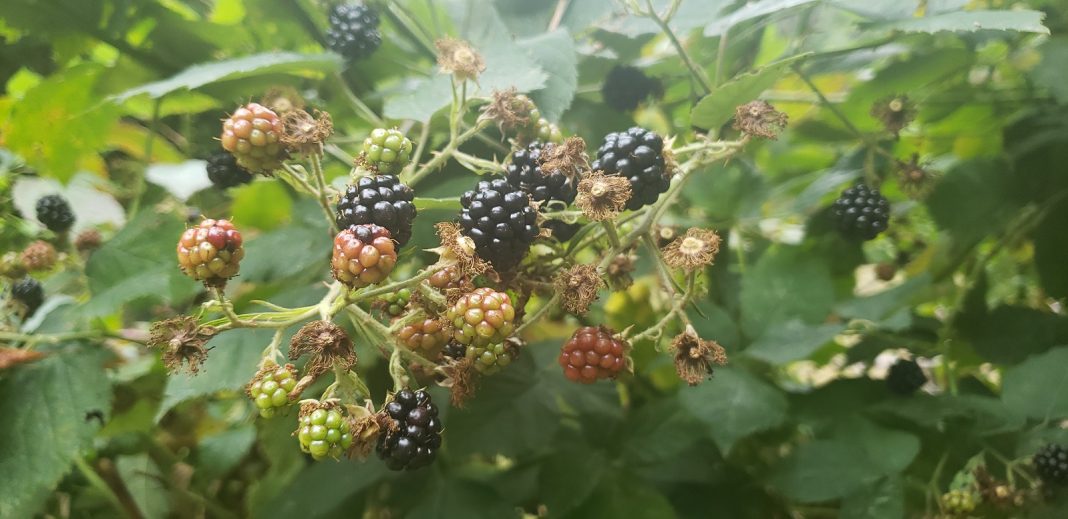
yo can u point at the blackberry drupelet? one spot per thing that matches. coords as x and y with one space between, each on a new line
224 172
29 292
379 199
55 213
414 441
454 350
905 377
637 155
862 212
1051 464
625 87
353 31
500 220
524 172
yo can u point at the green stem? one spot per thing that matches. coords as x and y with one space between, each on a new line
324 202
446 153
613 236
358 105
536 316
102 486
695 71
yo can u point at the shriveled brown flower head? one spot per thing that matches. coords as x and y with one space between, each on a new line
618 272
304 133
88 240
366 425
759 119
693 250
461 378
568 157
326 344
458 250
459 58
895 112
509 109
665 234
578 288
282 99
915 180
602 197
181 340
39 255
695 357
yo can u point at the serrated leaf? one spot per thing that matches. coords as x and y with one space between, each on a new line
792 340
555 52
44 406
785 283
1038 387
734 404
717 108
1019 20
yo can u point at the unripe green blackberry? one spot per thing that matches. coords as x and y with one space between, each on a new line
491 358
270 388
482 317
253 134
55 213
323 432
959 502
387 150
394 303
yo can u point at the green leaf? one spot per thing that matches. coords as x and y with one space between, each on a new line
734 404
145 483
973 191
786 283
980 415
218 453
1009 334
1038 387
1051 252
569 476
243 67
436 203
448 497
262 205
299 248
555 52
750 11
44 405
792 340
882 500
322 489
1020 20
619 495
717 108
1052 72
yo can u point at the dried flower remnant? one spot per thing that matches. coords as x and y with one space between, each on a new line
181 341
459 58
326 344
759 119
602 197
695 357
578 288
693 250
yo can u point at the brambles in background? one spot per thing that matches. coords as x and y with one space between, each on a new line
253 134
692 251
525 172
491 358
55 213
905 377
427 335
862 212
353 31
395 303
363 255
37 256
602 197
181 341
323 430
327 346
500 220
638 156
271 386
381 200
915 180
305 134
578 287
224 172
695 357
211 252
482 317
593 353
959 502
413 439
1051 464
625 87
388 151
895 112
459 58
759 119
29 293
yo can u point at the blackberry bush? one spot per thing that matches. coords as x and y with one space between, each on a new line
224 172
637 155
381 200
211 252
862 212
500 220
388 151
353 31
55 213
363 255
415 437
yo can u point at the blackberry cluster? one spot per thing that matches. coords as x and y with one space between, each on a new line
638 155
414 441
1051 464
500 220
353 31
270 390
491 358
387 150
862 212
324 432
625 87
55 213
592 353
224 172
379 199
905 377
524 172
30 293
363 255
427 335
211 252
482 317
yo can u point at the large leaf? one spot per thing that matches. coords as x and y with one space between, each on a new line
1038 387
1021 20
322 489
735 404
882 500
555 52
785 283
45 406
622 496
718 107
750 11
792 340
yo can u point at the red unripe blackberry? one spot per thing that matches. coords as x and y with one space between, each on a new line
253 135
211 252
224 172
1051 464
637 155
379 199
416 436
427 335
39 255
363 255
862 212
353 31
482 317
498 217
593 353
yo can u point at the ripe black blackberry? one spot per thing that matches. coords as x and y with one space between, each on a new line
625 87
454 350
1051 464
414 441
379 199
862 212
500 220
905 377
637 155
224 172
353 31
29 292
55 213
524 172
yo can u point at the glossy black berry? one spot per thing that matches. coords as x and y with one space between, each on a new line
498 217
224 172
379 199
625 87
454 350
862 212
55 213
1051 464
353 31
905 377
524 172
414 441
637 155
29 292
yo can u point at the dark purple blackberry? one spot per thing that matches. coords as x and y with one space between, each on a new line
414 441
862 212
454 350
524 172
55 213
905 377
29 292
353 31
224 172
1051 464
382 200
638 155
625 87
500 220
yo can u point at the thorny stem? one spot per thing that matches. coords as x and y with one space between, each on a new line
32 339
446 153
324 202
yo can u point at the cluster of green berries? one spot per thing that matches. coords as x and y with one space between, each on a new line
395 303
324 432
271 387
959 502
388 151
